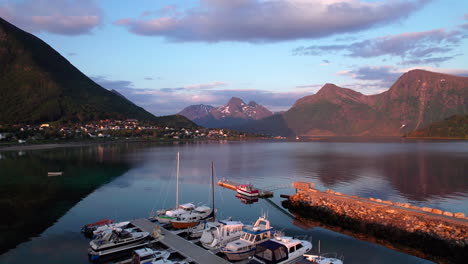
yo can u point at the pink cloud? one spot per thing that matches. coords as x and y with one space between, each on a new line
275 20
72 17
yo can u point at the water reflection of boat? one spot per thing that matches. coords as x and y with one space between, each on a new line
245 246
247 190
280 250
246 199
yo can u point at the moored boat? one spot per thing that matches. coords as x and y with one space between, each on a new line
165 216
193 218
244 247
247 190
219 233
89 228
280 250
115 241
327 258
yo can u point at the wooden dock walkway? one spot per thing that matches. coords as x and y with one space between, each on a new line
232 185
184 247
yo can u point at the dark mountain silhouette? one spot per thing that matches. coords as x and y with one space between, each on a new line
37 84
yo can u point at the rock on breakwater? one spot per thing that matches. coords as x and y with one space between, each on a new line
439 235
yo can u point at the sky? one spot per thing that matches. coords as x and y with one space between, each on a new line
166 55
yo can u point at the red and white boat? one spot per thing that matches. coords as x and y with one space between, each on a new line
246 189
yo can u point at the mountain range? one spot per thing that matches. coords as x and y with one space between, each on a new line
236 112
37 84
417 99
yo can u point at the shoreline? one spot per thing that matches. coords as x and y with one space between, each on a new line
43 146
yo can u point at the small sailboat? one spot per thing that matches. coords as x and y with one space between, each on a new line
247 190
219 233
165 216
244 247
280 250
197 215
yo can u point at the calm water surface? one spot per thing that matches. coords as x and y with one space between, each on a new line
42 215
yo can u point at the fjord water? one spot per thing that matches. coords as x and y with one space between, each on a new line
42 216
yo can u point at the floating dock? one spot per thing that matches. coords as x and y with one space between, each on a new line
189 250
232 185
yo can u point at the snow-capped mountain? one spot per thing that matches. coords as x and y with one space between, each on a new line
235 112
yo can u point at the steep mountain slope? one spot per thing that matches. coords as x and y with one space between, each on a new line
417 99
453 127
37 85
235 112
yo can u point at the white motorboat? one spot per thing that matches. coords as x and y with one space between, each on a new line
280 250
115 241
220 233
244 247
146 255
327 258
109 227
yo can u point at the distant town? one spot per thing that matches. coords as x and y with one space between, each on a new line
109 129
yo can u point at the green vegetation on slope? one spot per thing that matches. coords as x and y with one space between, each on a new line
453 127
37 85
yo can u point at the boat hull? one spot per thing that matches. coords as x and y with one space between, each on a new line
236 256
183 225
164 219
250 194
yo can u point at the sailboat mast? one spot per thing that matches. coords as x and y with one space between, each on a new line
177 180
212 189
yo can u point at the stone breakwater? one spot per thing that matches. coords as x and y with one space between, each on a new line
441 236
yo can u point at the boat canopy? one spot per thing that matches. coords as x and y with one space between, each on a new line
271 252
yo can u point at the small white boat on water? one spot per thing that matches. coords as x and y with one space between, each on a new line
115 241
54 173
244 247
220 233
280 250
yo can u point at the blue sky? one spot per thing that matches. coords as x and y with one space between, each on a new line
165 55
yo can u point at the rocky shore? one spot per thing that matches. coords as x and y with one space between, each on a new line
439 235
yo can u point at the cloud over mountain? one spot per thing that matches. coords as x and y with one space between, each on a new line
426 47
269 21
71 17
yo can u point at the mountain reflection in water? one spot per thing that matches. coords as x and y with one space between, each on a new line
125 181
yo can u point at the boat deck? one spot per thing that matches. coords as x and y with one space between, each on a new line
184 247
